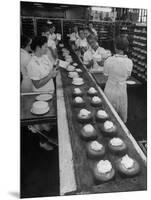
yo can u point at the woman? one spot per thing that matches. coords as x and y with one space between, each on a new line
74 35
41 72
25 58
81 43
95 56
90 25
118 68
40 69
52 50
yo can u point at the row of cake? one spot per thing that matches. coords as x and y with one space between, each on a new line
103 169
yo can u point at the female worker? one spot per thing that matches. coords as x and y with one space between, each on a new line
41 72
81 43
95 56
52 49
40 69
118 68
25 58
90 25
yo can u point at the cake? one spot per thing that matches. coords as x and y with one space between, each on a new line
77 92
92 91
77 81
70 68
95 149
73 75
78 101
88 132
103 171
117 145
108 128
128 166
40 107
102 115
96 101
84 115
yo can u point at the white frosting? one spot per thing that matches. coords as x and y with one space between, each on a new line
88 128
84 112
108 125
78 99
92 90
95 145
104 166
40 106
77 90
102 113
116 141
77 80
96 99
127 161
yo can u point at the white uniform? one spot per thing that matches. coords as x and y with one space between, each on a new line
51 41
74 36
118 68
38 68
25 57
89 55
81 43
94 31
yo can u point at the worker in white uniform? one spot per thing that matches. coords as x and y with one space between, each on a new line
41 72
118 68
51 50
25 57
81 43
95 56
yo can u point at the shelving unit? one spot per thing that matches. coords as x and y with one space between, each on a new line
139 53
27 26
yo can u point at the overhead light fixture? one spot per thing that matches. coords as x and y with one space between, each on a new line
102 9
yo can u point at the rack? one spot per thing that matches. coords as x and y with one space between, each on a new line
139 53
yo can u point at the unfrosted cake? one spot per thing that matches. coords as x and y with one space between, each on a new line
88 132
95 149
104 171
128 166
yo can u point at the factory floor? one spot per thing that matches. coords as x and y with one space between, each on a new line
39 168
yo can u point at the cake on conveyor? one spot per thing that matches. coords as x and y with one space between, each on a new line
103 171
78 102
77 92
95 149
92 91
102 115
84 115
88 132
96 101
108 128
117 145
128 166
